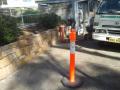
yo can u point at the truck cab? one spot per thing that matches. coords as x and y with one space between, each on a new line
107 22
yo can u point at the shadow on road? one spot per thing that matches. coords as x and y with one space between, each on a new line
36 73
79 49
99 45
108 78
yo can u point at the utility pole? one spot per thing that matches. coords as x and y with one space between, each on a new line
75 12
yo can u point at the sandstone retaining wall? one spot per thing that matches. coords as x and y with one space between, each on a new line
15 54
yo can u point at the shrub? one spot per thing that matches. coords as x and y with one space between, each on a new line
63 21
31 16
30 11
8 29
49 21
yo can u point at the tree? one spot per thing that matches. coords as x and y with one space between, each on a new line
8 29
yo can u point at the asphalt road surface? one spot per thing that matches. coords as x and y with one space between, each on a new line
97 66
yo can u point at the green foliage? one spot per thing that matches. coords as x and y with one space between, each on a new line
8 29
31 16
49 21
30 11
63 21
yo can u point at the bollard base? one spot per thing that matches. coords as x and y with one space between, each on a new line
68 84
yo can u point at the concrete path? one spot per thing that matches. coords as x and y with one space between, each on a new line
98 69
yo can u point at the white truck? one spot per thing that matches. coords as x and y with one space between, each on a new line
107 22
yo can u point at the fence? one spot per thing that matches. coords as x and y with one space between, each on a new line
29 19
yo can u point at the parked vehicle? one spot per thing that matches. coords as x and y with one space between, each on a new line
107 22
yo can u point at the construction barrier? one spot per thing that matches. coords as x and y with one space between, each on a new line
61 31
72 81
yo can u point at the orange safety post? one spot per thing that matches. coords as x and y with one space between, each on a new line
72 81
72 55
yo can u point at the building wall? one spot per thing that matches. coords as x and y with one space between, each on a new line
59 9
19 3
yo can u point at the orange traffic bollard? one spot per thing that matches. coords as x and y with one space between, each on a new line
72 81
61 30
72 55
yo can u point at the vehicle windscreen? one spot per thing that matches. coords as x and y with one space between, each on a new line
109 7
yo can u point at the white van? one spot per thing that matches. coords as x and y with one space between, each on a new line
107 22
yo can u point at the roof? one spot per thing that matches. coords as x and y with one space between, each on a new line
56 1
53 1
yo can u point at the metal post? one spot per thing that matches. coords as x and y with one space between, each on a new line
10 12
22 18
75 13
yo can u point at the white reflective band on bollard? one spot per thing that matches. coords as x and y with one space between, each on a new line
72 47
